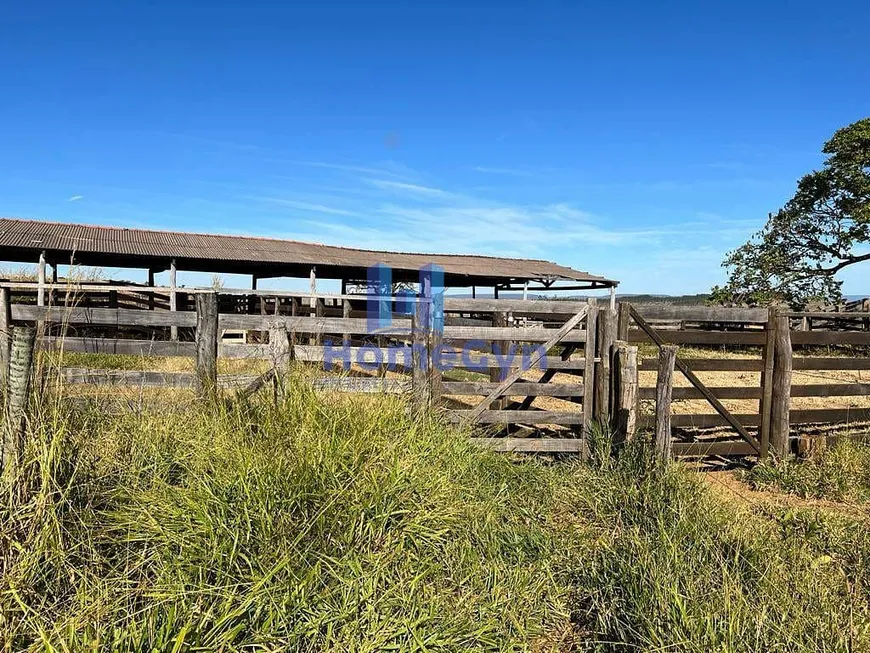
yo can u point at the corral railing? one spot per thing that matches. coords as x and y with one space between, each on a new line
515 366
794 381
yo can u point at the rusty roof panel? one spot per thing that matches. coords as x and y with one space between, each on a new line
210 251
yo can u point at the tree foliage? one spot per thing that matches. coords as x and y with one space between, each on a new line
824 228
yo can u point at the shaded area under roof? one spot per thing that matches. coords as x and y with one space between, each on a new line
24 240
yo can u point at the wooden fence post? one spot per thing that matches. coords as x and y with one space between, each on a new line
435 361
420 359
589 351
603 381
625 396
5 336
781 390
765 403
664 387
623 321
498 348
206 343
17 395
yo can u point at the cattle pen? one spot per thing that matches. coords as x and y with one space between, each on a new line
523 375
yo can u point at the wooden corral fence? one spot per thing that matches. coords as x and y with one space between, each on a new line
515 368
487 365
777 334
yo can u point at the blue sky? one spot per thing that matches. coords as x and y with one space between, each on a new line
636 140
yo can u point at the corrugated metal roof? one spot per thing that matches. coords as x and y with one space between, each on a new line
194 251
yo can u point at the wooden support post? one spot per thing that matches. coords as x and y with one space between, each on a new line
664 388
294 310
173 306
766 401
420 358
623 321
206 343
613 298
782 367
525 290
603 380
625 395
312 284
590 350
5 335
151 286
40 277
17 395
345 313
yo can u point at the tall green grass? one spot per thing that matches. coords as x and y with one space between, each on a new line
320 523
338 523
676 568
841 473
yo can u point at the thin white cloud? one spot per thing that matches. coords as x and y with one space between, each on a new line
415 189
503 171
307 206
75 198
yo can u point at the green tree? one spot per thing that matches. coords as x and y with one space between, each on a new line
824 228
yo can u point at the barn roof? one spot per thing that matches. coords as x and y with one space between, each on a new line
24 240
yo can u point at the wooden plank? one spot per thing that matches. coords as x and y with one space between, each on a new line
695 381
121 346
368 385
711 364
530 445
721 392
829 415
551 368
539 353
830 363
701 313
142 378
701 421
518 417
721 448
517 306
846 315
830 338
664 385
702 337
101 316
516 390
299 324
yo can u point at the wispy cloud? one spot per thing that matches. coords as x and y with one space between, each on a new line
415 189
514 172
389 169
75 198
307 206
